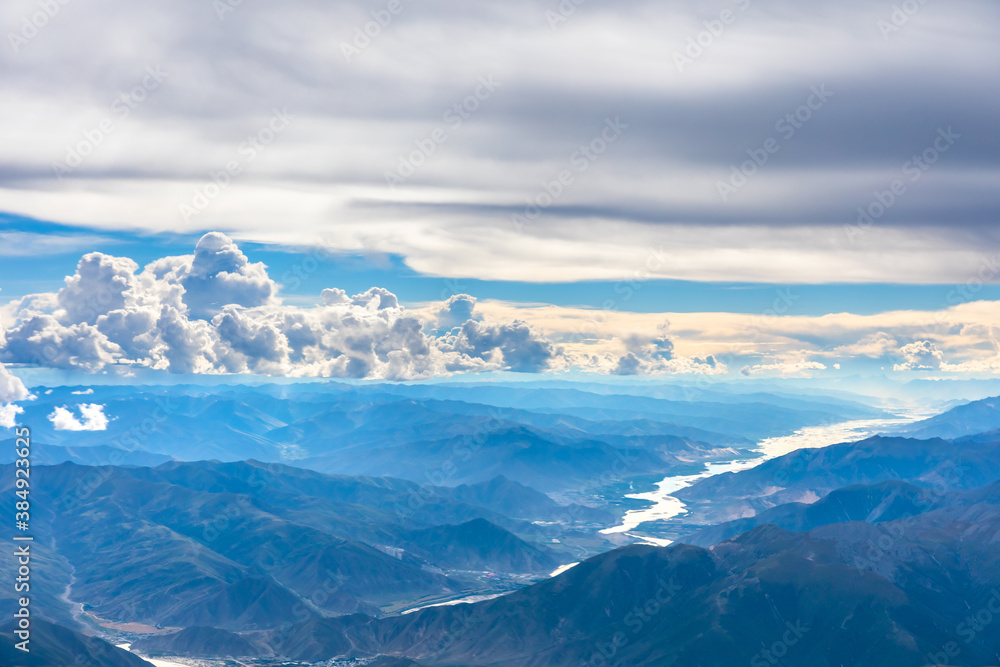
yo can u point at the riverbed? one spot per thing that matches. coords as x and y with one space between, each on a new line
157 663
664 505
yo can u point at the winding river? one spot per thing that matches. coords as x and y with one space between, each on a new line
156 663
666 506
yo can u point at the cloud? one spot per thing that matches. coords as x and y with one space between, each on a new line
29 244
92 418
647 354
920 356
99 285
11 387
148 318
8 414
687 131
598 340
800 368
41 339
220 275
216 312
628 365
457 310
874 346
85 392
513 345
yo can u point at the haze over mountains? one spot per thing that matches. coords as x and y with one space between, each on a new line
551 438
865 553
242 545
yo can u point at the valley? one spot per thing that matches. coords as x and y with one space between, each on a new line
515 521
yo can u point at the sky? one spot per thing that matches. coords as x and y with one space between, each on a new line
412 190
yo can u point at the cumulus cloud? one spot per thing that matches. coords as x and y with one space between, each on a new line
99 285
655 354
220 275
92 418
921 355
513 345
457 310
42 339
629 364
8 414
217 312
11 389
85 392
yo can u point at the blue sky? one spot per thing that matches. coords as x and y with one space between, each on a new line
22 275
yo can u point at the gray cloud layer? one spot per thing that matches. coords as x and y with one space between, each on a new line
558 81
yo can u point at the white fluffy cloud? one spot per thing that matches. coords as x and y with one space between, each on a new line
217 312
220 275
92 418
8 414
11 389
921 355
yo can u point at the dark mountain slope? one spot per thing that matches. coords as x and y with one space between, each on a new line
196 642
479 545
969 419
844 594
808 474
244 546
876 503
509 498
55 646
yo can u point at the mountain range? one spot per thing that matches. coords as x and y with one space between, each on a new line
901 592
881 551
241 545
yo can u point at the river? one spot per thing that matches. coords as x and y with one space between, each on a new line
666 506
157 663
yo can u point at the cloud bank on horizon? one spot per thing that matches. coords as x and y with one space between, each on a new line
792 143
217 312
